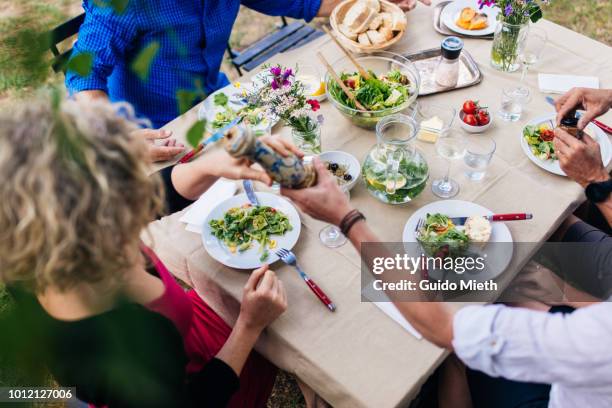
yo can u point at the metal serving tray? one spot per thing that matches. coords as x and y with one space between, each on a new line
426 62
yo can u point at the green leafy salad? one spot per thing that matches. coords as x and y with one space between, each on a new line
375 93
252 115
438 235
241 226
540 140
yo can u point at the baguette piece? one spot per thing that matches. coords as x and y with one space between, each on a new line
363 39
347 32
376 23
386 32
374 5
359 17
376 37
398 22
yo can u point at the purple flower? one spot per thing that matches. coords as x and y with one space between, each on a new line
288 73
286 82
488 3
276 71
508 10
274 85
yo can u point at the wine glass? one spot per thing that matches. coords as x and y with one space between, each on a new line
451 146
331 236
532 50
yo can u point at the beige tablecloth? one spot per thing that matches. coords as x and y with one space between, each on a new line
358 357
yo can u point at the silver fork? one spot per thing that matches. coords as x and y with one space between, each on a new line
419 224
289 258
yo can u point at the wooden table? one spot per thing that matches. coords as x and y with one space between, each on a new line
358 357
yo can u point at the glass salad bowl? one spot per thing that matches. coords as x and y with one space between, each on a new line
395 90
394 171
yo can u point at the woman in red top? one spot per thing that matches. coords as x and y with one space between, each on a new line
99 309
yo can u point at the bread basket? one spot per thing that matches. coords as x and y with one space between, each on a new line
337 17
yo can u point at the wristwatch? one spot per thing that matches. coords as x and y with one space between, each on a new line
599 191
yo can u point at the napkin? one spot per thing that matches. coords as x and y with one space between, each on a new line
197 213
393 312
559 84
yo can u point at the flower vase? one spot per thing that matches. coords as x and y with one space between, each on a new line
508 43
308 138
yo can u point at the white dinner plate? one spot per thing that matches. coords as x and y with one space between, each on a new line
498 257
249 259
553 165
450 14
236 95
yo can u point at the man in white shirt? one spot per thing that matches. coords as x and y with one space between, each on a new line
572 352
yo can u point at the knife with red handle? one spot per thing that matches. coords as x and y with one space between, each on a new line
495 217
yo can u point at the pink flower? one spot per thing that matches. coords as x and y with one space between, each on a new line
314 105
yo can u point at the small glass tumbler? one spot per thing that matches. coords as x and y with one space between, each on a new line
513 101
478 155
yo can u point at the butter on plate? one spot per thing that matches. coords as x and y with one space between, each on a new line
430 129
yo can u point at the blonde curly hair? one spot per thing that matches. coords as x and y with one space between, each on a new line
75 194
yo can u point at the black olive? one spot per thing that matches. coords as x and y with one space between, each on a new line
348 177
333 166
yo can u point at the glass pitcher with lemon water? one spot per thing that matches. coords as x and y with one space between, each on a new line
394 171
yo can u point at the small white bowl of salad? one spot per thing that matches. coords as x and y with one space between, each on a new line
343 166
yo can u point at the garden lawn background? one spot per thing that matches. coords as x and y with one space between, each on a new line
18 80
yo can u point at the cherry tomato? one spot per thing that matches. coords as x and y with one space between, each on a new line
470 107
470 120
547 135
483 117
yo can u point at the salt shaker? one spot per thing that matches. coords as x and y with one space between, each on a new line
447 72
290 171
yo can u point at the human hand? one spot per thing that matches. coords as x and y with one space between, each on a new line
408 5
220 164
263 299
325 201
579 159
166 150
595 102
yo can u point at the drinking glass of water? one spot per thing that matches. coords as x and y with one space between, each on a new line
513 101
478 155
451 146
532 51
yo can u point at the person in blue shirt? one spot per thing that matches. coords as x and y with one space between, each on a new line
190 37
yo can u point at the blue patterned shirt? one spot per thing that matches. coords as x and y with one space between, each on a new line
192 36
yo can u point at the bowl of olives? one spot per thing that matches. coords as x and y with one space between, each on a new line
343 166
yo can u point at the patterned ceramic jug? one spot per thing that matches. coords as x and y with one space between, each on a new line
290 172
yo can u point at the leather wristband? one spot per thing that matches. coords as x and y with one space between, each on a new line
349 220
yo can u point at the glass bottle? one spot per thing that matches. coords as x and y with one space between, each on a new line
447 71
290 171
570 124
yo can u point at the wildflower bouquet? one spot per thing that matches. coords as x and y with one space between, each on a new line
283 97
512 29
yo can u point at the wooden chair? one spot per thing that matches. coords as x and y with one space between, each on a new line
288 36
60 33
